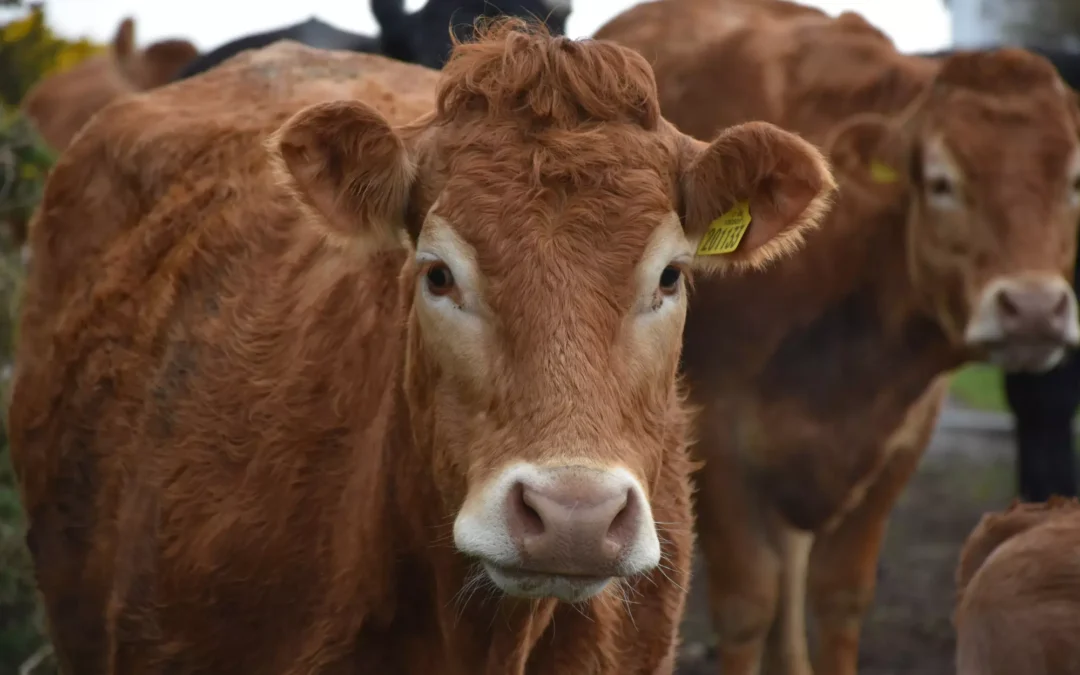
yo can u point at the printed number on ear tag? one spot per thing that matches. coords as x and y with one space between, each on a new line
882 173
725 233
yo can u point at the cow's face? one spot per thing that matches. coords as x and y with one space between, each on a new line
555 222
989 167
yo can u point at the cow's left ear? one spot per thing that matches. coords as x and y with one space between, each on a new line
751 195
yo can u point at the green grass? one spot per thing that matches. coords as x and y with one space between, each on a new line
980 386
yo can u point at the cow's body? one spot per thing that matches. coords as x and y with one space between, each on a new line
1044 404
267 399
421 37
810 435
1018 599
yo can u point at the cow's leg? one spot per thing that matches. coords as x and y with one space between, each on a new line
787 652
743 566
843 569
843 562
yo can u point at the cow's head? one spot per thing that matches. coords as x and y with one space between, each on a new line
555 219
427 35
986 165
60 104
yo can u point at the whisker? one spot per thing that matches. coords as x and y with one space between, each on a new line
662 569
627 602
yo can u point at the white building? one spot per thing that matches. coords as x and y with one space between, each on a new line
977 23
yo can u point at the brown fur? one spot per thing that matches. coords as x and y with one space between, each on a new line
1018 607
239 448
825 405
61 104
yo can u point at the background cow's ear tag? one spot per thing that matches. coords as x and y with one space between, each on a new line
882 173
725 233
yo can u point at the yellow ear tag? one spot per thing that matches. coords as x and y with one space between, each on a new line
882 173
725 233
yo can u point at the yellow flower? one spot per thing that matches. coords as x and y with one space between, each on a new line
18 30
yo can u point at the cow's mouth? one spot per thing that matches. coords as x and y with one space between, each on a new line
1028 356
524 583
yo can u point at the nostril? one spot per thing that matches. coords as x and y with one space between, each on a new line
527 517
624 525
1007 305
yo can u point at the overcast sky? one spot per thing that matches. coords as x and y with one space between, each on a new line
913 24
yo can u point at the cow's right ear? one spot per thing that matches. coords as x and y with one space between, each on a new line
752 194
867 151
344 161
123 43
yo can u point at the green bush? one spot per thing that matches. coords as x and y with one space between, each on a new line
21 622
24 163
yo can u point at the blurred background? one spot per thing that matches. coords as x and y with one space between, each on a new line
968 470
915 25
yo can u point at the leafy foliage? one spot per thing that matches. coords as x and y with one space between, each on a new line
24 162
21 621
29 50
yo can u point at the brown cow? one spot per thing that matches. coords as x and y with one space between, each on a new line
815 422
61 104
289 411
1018 606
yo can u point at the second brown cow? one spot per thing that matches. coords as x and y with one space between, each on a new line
952 240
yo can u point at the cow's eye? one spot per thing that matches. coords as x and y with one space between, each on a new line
939 187
669 280
440 281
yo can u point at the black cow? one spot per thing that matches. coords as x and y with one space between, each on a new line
1044 404
313 33
424 36
421 37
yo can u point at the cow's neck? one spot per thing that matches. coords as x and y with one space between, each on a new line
834 326
875 325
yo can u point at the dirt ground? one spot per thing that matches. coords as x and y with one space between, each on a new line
908 631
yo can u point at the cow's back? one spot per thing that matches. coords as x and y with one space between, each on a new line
702 52
170 270
1019 592
723 63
